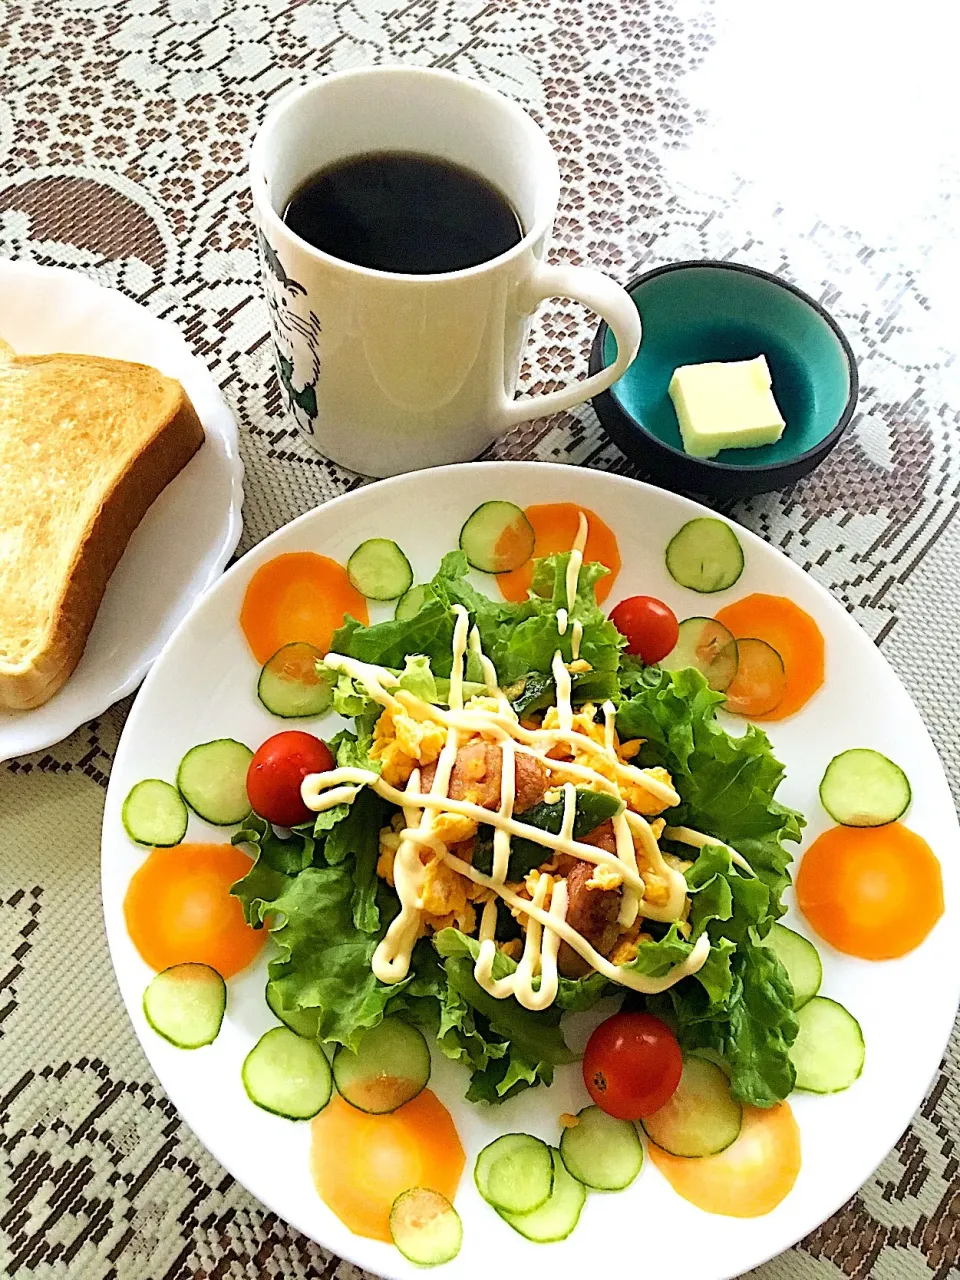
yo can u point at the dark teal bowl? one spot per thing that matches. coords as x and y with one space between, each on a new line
694 312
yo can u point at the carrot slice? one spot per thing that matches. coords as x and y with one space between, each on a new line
555 526
760 682
361 1163
872 892
298 596
748 1179
792 633
178 909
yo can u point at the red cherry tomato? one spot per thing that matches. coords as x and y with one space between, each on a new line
632 1065
650 626
276 771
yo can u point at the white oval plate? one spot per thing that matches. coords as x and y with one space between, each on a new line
186 538
203 687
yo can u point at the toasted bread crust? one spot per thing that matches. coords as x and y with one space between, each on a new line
164 455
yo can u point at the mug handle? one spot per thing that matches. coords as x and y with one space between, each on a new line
612 303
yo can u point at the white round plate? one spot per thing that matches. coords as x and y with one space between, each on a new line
186 538
203 687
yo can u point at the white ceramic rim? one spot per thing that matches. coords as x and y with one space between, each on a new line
901 1108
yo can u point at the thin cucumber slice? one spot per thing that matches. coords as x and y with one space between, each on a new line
862 788
390 1066
515 1173
154 814
302 1021
558 1215
379 570
425 1227
185 1004
292 685
497 537
602 1152
287 1075
708 646
801 960
705 555
760 682
212 778
701 1118
828 1052
411 602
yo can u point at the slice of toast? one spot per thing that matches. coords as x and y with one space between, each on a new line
86 445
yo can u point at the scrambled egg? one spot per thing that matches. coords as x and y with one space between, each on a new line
465 920
482 702
389 844
657 891
479 893
605 877
443 899
635 794
447 898
530 882
628 944
639 799
402 744
583 722
453 828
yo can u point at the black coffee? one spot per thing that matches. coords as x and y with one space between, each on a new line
404 212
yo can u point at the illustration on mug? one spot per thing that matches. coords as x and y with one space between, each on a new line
296 331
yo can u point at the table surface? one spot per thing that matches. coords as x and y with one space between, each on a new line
816 140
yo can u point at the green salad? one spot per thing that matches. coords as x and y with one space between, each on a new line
327 890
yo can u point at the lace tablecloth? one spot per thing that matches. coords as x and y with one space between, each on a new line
816 140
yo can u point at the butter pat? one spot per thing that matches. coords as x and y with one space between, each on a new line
725 406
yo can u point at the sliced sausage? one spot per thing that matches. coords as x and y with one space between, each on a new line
531 782
593 913
476 777
602 837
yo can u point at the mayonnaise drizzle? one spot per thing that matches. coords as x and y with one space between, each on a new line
508 795
318 787
609 726
539 957
516 827
624 977
575 563
391 960
686 835
626 852
576 638
486 666
561 677
481 720
535 980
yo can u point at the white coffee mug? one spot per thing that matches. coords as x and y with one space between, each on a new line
386 372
